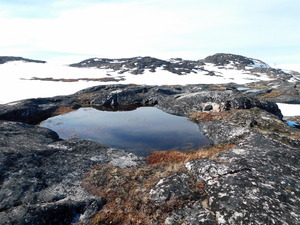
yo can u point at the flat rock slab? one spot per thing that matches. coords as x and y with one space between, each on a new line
256 182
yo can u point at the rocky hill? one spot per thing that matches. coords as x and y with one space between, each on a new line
250 175
138 65
5 59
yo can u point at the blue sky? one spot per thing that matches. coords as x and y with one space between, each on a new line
190 29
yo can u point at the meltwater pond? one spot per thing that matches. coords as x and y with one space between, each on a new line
140 131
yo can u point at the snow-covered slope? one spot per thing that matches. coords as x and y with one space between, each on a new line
293 69
28 79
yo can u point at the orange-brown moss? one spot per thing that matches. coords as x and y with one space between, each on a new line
63 110
218 88
127 193
257 86
274 94
174 156
208 116
127 189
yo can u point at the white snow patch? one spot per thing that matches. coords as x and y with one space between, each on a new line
175 60
16 84
117 61
236 76
289 109
229 66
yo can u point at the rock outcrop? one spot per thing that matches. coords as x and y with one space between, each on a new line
179 100
138 65
5 59
41 175
255 181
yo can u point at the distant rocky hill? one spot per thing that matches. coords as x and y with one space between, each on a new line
138 65
5 59
222 59
216 65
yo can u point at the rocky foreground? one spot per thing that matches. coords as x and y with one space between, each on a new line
249 176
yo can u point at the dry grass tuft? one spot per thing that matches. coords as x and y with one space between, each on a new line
257 86
127 193
275 94
272 94
174 156
209 116
126 190
218 88
73 135
63 110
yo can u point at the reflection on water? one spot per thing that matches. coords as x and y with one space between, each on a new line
140 131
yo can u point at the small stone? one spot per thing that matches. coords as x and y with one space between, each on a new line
208 108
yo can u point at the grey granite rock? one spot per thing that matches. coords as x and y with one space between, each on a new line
175 185
41 175
195 214
257 182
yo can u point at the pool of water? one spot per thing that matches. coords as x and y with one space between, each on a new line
140 131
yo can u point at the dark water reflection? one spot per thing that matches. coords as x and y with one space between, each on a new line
140 131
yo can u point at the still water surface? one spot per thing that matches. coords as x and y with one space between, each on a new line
140 131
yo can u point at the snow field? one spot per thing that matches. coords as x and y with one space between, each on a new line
16 84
